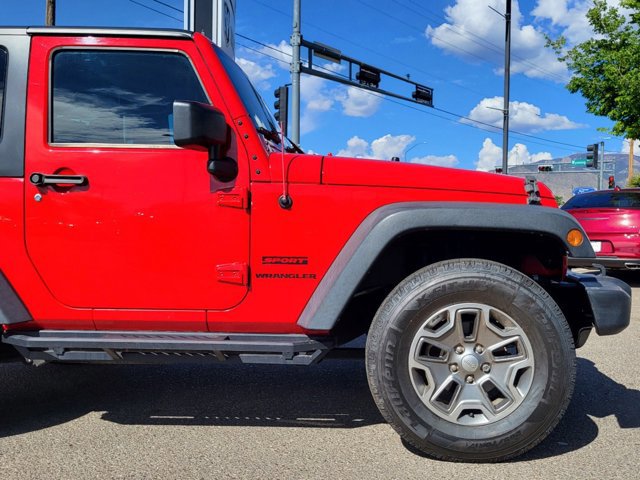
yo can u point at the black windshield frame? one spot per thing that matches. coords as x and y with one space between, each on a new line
260 115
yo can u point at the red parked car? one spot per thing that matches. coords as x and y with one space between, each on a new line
611 219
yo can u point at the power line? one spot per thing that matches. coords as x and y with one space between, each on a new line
478 125
168 6
157 11
439 18
264 53
270 47
483 42
470 122
375 52
387 15
473 123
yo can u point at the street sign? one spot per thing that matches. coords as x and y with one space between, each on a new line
581 190
579 161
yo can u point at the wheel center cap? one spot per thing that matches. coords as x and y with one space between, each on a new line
470 363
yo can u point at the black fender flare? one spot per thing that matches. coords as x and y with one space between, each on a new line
12 310
386 223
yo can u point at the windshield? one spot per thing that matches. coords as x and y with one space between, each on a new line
607 199
260 115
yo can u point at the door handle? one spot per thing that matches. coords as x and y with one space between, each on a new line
40 179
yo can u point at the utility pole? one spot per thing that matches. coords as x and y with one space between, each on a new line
50 15
296 40
631 142
507 78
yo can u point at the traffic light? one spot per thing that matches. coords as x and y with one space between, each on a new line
282 107
368 76
545 168
592 156
612 181
423 95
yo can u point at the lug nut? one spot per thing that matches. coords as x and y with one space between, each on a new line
486 368
453 367
459 349
479 349
469 379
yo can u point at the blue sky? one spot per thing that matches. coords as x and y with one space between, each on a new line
454 46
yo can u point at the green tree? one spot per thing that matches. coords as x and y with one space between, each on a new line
606 68
634 181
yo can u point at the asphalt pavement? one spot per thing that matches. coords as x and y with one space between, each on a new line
222 421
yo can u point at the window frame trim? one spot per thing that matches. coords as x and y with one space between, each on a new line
56 50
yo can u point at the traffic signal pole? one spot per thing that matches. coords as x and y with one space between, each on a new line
601 169
296 40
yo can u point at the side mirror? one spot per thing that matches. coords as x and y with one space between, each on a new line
200 125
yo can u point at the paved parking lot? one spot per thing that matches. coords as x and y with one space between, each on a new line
228 421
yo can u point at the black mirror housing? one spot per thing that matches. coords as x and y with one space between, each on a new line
198 124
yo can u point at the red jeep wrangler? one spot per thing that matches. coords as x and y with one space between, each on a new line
148 206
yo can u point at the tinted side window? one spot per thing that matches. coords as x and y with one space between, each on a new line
119 97
611 199
3 77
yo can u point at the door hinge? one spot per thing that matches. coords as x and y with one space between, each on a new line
235 273
238 198
531 188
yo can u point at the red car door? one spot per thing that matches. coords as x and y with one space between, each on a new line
142 230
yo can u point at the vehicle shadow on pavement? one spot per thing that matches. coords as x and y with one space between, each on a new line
596 395
333 394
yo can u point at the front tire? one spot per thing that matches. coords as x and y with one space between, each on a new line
470 360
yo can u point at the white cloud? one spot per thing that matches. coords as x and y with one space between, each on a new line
383 148
523 116
314 92
569 15
443 161
316 98
520 155
282 51
636 147
490 156
356 147
540 156
475 33
258 74
359 103
390 146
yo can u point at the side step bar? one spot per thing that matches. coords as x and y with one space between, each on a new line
165 347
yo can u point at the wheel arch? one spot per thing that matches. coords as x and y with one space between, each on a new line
398 239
